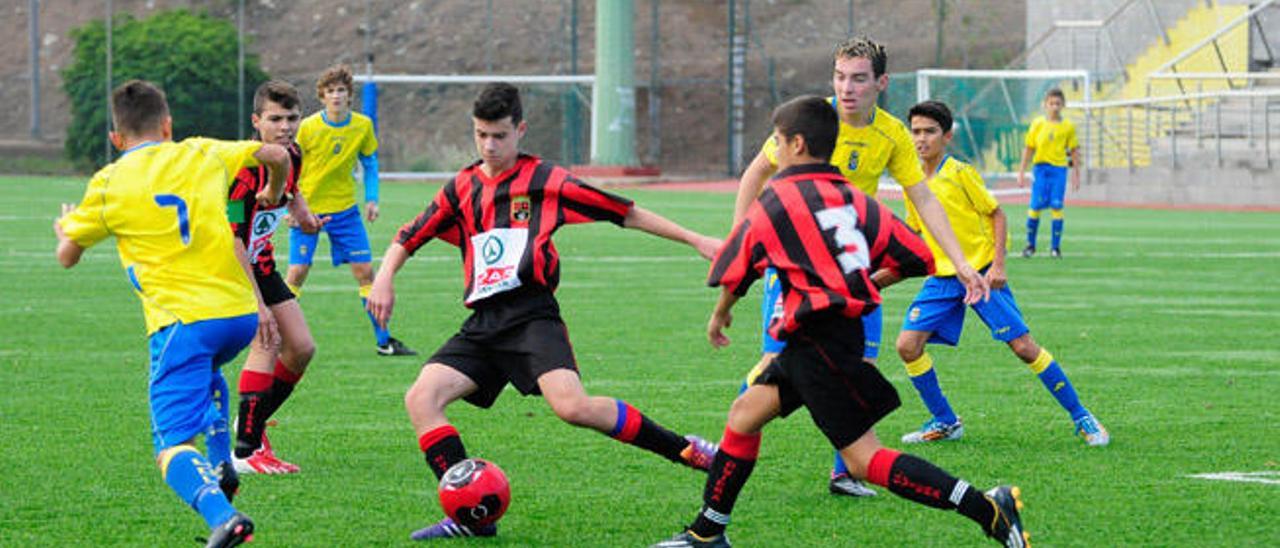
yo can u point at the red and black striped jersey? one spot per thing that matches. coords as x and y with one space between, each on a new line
503 225
255 225
825 238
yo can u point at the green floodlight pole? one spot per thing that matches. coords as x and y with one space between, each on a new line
613 124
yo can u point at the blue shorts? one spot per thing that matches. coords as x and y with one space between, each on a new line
771 306
939 309
348 242
1049 187
184 374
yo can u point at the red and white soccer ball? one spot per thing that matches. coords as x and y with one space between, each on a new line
474 492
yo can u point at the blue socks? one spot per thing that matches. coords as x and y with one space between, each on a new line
1056 382
925 379
383 336
218 436
1033 225
189 475
1057 233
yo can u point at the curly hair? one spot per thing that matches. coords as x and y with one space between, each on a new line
865 47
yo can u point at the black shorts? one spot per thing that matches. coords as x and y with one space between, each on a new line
513 339
274 290
822 368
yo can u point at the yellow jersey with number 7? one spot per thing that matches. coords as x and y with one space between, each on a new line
166 205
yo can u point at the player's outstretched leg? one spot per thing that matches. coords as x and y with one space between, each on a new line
918 480
943 424
1055 380
437 386
619 420
194 480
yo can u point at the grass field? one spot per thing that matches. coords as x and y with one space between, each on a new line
1166 321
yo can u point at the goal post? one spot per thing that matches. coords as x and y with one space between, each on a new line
992 109
418 149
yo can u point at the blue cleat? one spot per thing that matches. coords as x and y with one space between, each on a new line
447 528
1092 431
935 430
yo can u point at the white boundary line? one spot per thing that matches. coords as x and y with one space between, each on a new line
1269 478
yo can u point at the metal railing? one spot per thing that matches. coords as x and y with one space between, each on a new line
1171 66
1168 117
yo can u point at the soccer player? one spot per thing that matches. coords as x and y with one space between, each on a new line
937 314
821 235
165 203
332 140
1050 140
871 142
502 212
269 373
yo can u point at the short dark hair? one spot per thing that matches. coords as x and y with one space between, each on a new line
279 92
497 101
933 110
811 117
1055 92
138 106
865 47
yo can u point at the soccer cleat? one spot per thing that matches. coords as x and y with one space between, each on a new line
228 480
1092 431
699 453
395 348
1055 253
1028 251
447 528
844 484
233 532
1006 526
687 539
263 460
935 430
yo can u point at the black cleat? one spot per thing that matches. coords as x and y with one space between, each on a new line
395 348
234 532
1028 251
687 539
228 480
1006 527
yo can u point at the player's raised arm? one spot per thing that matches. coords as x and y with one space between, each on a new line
753 179
640 218
276 158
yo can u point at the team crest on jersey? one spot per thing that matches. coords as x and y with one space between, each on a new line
521 209
337 147
853 160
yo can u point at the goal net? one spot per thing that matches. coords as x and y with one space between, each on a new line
424 121
992 109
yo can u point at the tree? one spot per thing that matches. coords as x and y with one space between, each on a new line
192 57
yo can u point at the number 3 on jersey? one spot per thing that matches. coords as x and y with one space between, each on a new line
844 219
180 205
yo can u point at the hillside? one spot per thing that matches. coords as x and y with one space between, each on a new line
426 127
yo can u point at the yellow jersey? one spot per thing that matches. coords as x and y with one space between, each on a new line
1051 140
864 153
968 203
329 154
166 205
